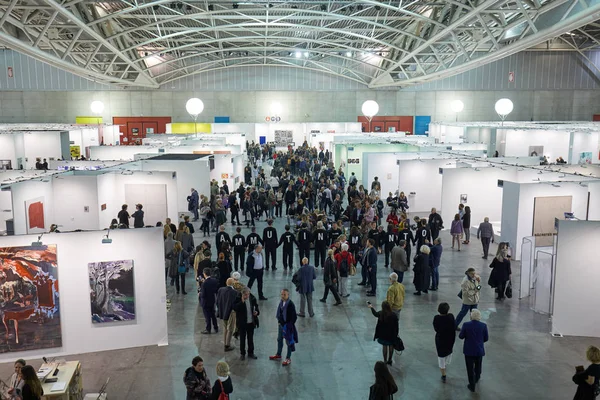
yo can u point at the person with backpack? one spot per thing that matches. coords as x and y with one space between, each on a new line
330 278
344 262
223 386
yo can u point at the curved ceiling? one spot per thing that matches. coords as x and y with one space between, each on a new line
377 43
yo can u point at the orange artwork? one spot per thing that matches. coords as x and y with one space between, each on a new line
36 215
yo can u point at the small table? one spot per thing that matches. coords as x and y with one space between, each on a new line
69 373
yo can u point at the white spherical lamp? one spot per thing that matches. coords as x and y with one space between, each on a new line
194 107
276 108
457 106
370 108
503 107
97 107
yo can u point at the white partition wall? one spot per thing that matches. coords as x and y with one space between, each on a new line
575 313
75 202
27 191
554 143
125 153
518 207
423 178
583 142
74 252
594 205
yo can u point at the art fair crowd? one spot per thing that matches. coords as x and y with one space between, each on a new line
339 227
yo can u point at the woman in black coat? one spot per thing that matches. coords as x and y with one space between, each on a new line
421 269
386 330
445 335
501 272
224 270
466 221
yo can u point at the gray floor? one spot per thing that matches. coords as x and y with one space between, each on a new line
336 353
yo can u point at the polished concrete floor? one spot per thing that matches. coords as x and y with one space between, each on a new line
336 352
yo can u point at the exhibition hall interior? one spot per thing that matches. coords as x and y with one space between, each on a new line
183 183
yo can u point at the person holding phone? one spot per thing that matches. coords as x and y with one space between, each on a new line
470 290
386 330
588 380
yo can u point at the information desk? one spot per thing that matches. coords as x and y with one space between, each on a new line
68 384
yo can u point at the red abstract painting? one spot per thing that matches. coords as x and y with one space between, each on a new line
36 215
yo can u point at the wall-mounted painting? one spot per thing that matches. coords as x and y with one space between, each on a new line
34 213
29 298
585 157
111 291
536 151
463 198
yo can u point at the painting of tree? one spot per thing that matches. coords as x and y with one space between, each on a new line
112 291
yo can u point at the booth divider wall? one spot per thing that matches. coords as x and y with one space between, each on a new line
74 252
76 202
593 212
576 277
32 190
125 153
422 177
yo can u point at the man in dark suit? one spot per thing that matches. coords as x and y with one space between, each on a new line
369 262
221 238
306 275
475 334
286 318
208 294
246 312
226 298
270 243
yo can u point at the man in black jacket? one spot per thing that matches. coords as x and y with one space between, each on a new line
253 239
435 224
406 235
289 197
422 235
239 248
321 242
246 312
304 240
288 240
270 243
207 297
226 298
221 238
390 240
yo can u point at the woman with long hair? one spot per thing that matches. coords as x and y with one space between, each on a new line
456 230
386 330
384 386
178 267
224 270
501 271
32 387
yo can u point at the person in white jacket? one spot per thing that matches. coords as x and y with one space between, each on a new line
470 289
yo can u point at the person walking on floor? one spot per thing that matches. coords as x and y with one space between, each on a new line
466 222
395 295
239 245
588 380
321 240
207 297
384 386
226 298
435 257
445 336
196 381
456 230
288 240
330 278
386 330
193 201
436 224
369 262
286 320
306 287
270 241
246 312
344 260
399 260
223 382
475 334
421 270
470 288
178 268
255 269
501 272
486 233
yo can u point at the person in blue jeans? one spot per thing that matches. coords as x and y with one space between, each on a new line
286 318
470 289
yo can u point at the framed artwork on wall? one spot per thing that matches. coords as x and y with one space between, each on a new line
30 307
545 211
35 215
463 199
112 295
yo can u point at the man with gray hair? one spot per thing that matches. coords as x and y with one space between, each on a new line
475 334
246 310
486 232
306 287
255 264
395 295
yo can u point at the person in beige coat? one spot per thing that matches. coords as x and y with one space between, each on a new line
470 289
399 261
395 294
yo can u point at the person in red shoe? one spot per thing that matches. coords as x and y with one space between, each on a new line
286 318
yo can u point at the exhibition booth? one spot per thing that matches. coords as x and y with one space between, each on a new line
81 293
575 280
89 200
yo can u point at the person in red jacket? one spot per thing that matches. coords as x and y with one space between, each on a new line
343 261
393 220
